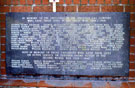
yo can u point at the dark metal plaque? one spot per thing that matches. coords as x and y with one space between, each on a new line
68 43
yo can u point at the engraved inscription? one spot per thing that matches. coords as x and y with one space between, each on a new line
68 44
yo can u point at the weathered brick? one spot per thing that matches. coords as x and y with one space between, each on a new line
2 17
131 84
8 2
132 2
88 8
60 9
100 1
4 8
37 2
3 55
22 2
108 1
132 33
42 9
132 16
29 2
130 9
76 1
3 71
112 8
132 41
21 9
131 73
124 85
46 1
3 47
132 58
132 49
132 24
15 2
116 1
3 40
68 1
2 25
3 64
124 1
2 2
84 1
3 32
61 2
92 1
131 65
70 8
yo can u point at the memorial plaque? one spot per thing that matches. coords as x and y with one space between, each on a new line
67 43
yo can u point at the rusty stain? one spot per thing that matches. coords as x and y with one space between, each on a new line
67 83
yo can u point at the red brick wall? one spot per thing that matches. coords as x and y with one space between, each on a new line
69 6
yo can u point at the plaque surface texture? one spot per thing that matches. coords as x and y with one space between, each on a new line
67 43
